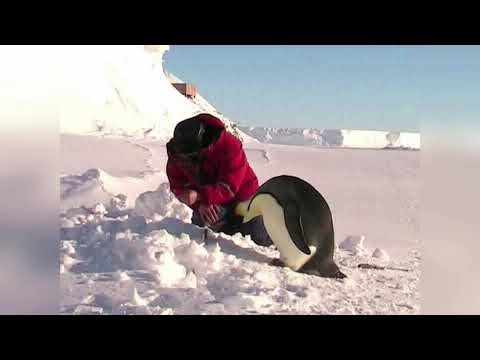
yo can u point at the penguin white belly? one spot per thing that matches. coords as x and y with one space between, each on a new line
274 221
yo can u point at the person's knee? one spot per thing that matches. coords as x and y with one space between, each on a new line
197 220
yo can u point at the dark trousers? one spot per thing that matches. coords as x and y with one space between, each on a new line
231 224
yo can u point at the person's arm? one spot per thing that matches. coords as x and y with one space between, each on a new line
233 166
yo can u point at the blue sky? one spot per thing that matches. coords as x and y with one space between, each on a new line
356 87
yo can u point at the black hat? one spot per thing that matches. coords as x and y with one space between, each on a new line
188 136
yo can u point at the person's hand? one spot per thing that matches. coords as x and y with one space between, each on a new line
208 214
188 197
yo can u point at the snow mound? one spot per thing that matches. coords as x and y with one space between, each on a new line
125 90
121 276
160 204
87 189
380 254
354 244
120 89
380 139
95 187
335 138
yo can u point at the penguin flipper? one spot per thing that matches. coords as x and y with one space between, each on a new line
294 227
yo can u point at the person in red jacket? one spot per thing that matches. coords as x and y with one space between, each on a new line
208 171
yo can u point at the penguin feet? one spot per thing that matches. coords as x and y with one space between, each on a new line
278 263
329 275
338 275
333 274
324 269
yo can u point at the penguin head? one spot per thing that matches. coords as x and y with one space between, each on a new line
250 208
259 204
242 208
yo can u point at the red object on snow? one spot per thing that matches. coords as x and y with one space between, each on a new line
224 168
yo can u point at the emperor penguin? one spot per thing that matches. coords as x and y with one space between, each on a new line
299 221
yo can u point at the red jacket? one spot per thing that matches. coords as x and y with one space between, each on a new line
227 175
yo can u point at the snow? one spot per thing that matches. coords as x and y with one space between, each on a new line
366 139
121 90
161 203
128 246
95 186
205 106
125 90
147 257
354 244
381 254
121 276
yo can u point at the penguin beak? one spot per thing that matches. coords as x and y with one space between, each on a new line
248 217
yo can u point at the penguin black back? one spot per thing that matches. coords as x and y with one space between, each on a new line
288 190
308 219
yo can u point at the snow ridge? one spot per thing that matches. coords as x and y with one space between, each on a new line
335 138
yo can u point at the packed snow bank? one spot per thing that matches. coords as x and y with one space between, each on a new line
335 138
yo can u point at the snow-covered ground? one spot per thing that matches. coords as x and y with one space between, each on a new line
141 255
128 246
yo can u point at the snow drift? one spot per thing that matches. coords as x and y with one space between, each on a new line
96 186
132 265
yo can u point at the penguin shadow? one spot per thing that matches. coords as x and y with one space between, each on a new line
229 247
140 276
300 291
174 297
177 227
